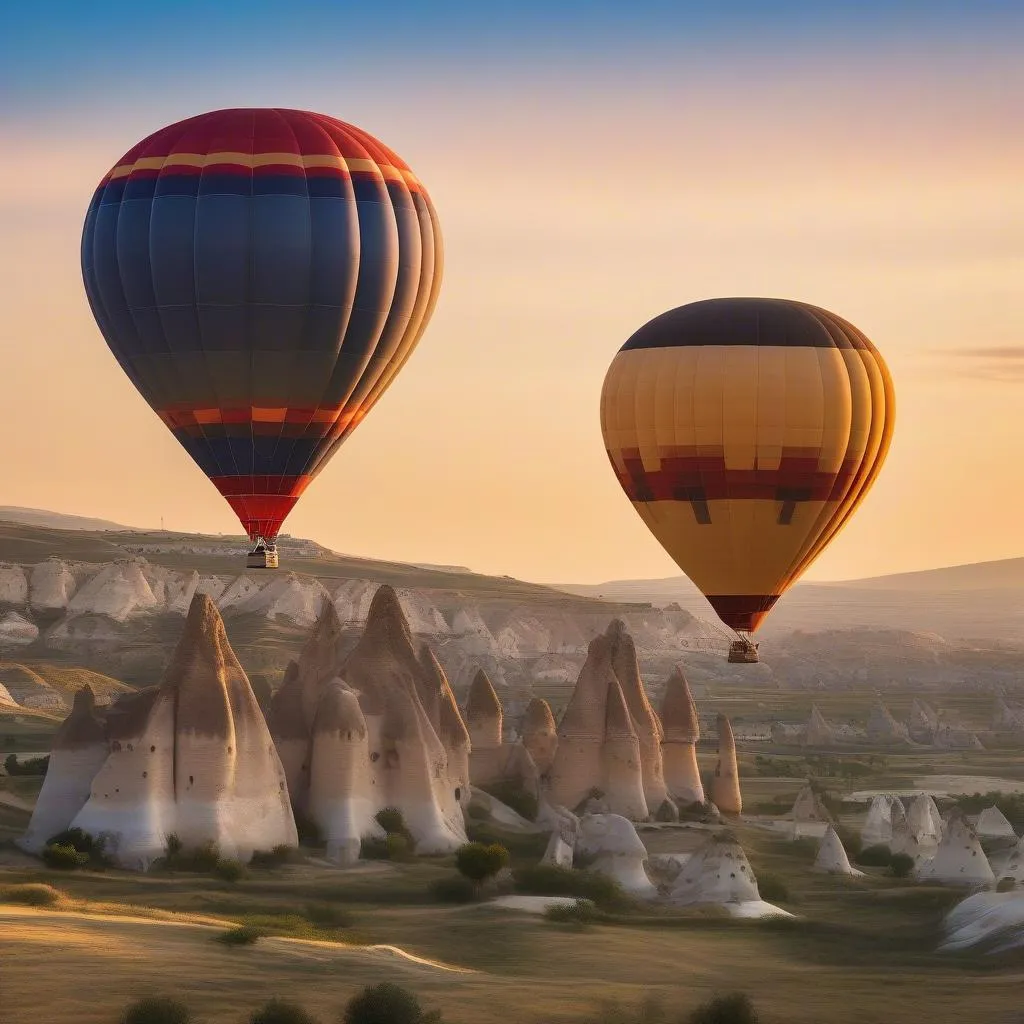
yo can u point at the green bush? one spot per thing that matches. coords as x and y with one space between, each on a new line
551 880
279 1012
731 1009
32 894
512 794
229 870
64 857
241 935
399 846
157 1010
32 766
528 846
901 865
275 858
387 1003
201 860
454 889
390 819
878 856
772 888
579 913
327 915
478 862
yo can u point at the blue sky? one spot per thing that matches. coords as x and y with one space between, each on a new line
68 52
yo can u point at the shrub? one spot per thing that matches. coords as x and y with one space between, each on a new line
878 856
31 766
242 935
390 819
32 895
398 846
731 1009
274 858
374 849
202 860
387 1003
63 857
551 880
901 865
454 889
81 841
772 888
478 862
157 1010
512 794
279 1012
579 913
229 870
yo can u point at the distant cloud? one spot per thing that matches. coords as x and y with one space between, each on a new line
998 363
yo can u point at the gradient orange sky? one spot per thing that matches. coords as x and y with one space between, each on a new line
576 204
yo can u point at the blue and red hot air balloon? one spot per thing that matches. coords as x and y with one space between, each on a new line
261 275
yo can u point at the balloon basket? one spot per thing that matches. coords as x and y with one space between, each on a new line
743 652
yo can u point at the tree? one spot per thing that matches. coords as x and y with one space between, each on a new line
478 862
387 1003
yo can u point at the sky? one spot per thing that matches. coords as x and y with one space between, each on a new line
592 164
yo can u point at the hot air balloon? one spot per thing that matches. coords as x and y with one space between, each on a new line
261 276
746 432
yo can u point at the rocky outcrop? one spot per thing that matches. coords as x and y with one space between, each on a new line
808 811
718 872
992 824
598 753
540 734
484 720
959 859
924 820
681 729
192 758
883 728
818 732
645 722
13 585
78 751
374 728
725 783
877 829
923 722
17 631
832 858
52 585
612 847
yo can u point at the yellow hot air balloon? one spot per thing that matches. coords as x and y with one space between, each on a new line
746 432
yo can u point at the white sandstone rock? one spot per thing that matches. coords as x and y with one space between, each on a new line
13 585
540 734
119 591
832 858
992 824
725 783
718 872
616 850
681 731
17 631
959 859
52 585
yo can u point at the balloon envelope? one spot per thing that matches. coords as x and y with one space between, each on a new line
746 432
261 275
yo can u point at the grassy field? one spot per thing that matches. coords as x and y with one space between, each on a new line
860 950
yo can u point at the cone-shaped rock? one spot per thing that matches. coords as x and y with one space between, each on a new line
808 810
818 733
992 824
193 757
451 727
645 721
291 734
718 872
832 859
959 859
924 820
540 734
579 769
484 722
341 799
319 660
678 748
877 829
623 770
409 766
725 783
78 752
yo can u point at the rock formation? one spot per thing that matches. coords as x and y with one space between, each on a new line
832 859
924 820
992 824
725 783
191 757
79 750
923 722
808 810
718 872
678 747
562 845
883 728
959 859
818 732
645 722
372 729
598 752
540 734
340 789
611 844
1011 866
483 717
877 828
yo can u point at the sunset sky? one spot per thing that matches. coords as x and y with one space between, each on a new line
591 167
